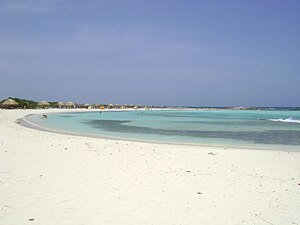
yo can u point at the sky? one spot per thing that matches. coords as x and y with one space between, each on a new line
152 52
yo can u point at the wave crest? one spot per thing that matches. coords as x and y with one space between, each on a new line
287 120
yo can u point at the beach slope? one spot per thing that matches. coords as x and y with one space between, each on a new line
49 178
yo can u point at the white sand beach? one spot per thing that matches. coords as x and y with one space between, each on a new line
49 178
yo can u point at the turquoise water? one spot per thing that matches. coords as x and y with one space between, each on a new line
232 128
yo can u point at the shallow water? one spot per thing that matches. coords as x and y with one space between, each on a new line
232 128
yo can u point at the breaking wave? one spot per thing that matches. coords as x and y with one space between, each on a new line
287 120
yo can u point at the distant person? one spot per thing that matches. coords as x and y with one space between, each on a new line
44 116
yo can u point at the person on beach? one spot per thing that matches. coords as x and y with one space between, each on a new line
44 116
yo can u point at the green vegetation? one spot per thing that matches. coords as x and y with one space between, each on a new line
24 103
28 104
53 104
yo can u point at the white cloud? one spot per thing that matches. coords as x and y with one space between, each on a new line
45 6
100 48
23 7
88 40
31 6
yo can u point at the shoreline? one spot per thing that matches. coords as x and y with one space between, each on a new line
27 123
64 179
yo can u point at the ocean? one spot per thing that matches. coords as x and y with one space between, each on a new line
260 129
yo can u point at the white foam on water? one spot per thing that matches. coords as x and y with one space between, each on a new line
287 120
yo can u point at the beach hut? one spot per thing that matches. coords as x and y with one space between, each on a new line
44 104
102 107
60 105
86 105
70 105
10 104
96 106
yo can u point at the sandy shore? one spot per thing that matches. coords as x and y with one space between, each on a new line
49 178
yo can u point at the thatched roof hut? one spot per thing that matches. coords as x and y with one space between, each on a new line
110 106
60 104
96 106
10 103
86 105
70 105
44 104
102 107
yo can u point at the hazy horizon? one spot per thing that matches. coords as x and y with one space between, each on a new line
170 52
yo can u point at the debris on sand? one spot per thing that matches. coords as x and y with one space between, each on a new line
213 154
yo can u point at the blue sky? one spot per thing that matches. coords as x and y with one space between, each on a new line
157 52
